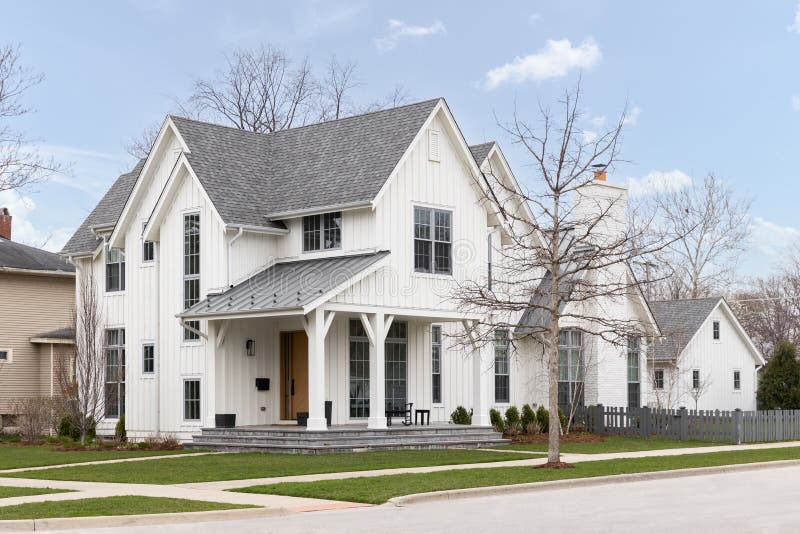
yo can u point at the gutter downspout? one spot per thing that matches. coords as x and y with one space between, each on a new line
230 249
158 341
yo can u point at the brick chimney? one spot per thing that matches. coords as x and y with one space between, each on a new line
5 223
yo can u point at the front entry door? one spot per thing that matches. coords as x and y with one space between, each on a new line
294 374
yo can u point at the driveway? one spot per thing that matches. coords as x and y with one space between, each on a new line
762 500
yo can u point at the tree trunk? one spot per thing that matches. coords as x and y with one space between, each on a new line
554 430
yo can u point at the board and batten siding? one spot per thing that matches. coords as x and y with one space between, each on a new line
31 305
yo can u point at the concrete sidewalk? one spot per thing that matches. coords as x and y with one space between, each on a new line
103 462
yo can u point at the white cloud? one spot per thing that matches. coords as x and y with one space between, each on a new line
658 182
796 103
632 118
535 19
795 26
599 121
398 30
555 60
24 231
769 243
589 136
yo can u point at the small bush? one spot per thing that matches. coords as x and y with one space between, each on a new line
120 435
533 427
528 416
461 416
543 418
68 429
166 442
497 421
512 416
34 417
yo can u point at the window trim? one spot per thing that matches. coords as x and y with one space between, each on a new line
9 355
432 239
656 371
122 264
199 380
637 350
507 374
733 376
440 345
148 343
699 379
358 339
716 331
145 262
193 339
321 231
123 347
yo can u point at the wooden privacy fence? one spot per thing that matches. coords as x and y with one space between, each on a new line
719 426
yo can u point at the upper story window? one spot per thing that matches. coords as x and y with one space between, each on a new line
433 247
658 379
115 269
191 270
737 380
715 330
148 249
322 232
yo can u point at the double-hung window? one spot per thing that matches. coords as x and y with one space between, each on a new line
433 235
436 364
658 379
570 369
148 249
359 370
715 330
148 358
322 232
737 380
695 379
191 399
115 373
191 270
502 368
634 373
115 269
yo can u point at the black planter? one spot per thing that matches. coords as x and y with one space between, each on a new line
302 418
225 420
328 411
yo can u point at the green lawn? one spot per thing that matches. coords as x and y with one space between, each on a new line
238 466
15 456
11 491
124 505
611 444
377 490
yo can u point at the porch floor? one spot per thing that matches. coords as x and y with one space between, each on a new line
346 438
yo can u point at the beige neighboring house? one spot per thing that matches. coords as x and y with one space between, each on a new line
37 298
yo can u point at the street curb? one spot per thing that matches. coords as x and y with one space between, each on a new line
30 525
583 482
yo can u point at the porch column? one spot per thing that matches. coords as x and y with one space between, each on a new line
377 369
210 385
482 363
316 371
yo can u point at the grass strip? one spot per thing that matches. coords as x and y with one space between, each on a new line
611 444
13 491
105 506
14 456
378 490
238 466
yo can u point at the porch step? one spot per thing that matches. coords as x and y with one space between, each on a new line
338 448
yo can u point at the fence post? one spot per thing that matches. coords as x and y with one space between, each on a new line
644 424
599 419
737 426
684 423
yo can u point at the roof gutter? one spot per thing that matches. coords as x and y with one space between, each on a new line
348 206
37 272
257 229
230 249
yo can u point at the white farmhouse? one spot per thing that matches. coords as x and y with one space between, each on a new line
705 360
274 276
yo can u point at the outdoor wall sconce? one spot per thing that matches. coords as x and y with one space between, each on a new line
250 347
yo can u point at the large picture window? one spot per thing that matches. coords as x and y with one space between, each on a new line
502 374
570 369
396 347
191 400
115 373
322 232
436 364
191 270
115 269
359 370
433 234
634 372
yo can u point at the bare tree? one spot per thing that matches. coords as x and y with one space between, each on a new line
568 256
699 387
709 228
20 165
335 89
81 378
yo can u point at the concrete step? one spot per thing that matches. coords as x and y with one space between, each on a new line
334 448
344 433
349 441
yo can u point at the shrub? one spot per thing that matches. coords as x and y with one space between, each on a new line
165 442
779 386
120 435
497 421
533 427
512 416
528 416
34 417
543 418
68 429
461 416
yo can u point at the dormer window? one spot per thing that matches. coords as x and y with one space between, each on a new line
322 232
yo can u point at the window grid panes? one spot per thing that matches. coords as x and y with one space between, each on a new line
115 269
436 364
115 373
634 372
502 371
715 327
359 370
148 358
148 248
396 348
191 270
695 378
570 369
737 380
322 232
658 379
433 241
191 400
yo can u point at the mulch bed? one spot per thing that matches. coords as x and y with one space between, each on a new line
555 465
572 437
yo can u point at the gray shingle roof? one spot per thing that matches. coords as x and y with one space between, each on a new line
107 212
18 256
679 320
250 176
479 152
287 285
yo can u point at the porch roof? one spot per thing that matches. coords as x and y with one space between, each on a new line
290 285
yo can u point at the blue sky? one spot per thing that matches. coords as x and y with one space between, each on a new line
712 86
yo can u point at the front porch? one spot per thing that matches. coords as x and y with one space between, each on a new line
346 438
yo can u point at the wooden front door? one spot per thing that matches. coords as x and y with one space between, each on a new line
294 374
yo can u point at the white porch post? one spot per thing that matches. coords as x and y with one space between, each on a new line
482 358
316 371
377 369
210 385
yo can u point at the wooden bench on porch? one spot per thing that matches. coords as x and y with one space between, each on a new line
405 413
